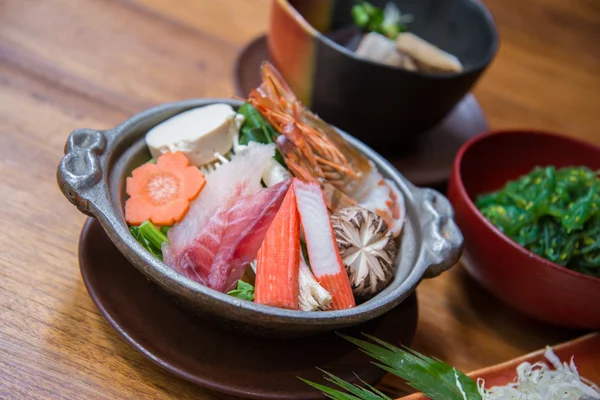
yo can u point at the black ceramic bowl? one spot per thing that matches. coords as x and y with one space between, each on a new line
92 176
379 104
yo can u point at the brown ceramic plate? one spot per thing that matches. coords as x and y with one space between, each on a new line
426 163
584 350
216 359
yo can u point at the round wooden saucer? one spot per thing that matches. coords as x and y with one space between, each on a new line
219 360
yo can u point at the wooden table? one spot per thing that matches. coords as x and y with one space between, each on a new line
66 64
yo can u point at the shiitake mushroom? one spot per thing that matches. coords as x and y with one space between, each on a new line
367 248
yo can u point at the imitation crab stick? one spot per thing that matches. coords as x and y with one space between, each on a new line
278 261
323 253
162 192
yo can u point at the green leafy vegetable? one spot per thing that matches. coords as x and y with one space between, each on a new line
388 22
257 129
554 213
149 236
243 291
437 380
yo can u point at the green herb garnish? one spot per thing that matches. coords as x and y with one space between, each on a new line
554 213
388 22
244 291
149 236
436 379
257 129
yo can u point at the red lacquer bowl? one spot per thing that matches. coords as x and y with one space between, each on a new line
537 287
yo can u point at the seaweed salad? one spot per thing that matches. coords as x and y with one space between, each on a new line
555 213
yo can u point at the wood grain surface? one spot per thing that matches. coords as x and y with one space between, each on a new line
66 64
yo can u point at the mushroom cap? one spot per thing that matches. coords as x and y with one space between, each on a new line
367 248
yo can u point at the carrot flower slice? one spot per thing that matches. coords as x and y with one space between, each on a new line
162 192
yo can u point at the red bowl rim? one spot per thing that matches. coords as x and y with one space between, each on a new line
461 188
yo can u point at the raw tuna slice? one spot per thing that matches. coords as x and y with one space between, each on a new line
219 255
224 186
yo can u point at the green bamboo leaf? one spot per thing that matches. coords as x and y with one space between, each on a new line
332 393
375 390
363 392
437 380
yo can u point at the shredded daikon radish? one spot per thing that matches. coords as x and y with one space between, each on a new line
540 381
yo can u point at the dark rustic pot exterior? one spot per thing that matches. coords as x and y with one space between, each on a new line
92 176
379 104
531 284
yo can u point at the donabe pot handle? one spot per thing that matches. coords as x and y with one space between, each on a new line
80 173
442 239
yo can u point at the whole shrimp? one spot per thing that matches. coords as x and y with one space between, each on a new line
316 152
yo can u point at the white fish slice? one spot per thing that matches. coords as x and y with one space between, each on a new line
224 186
